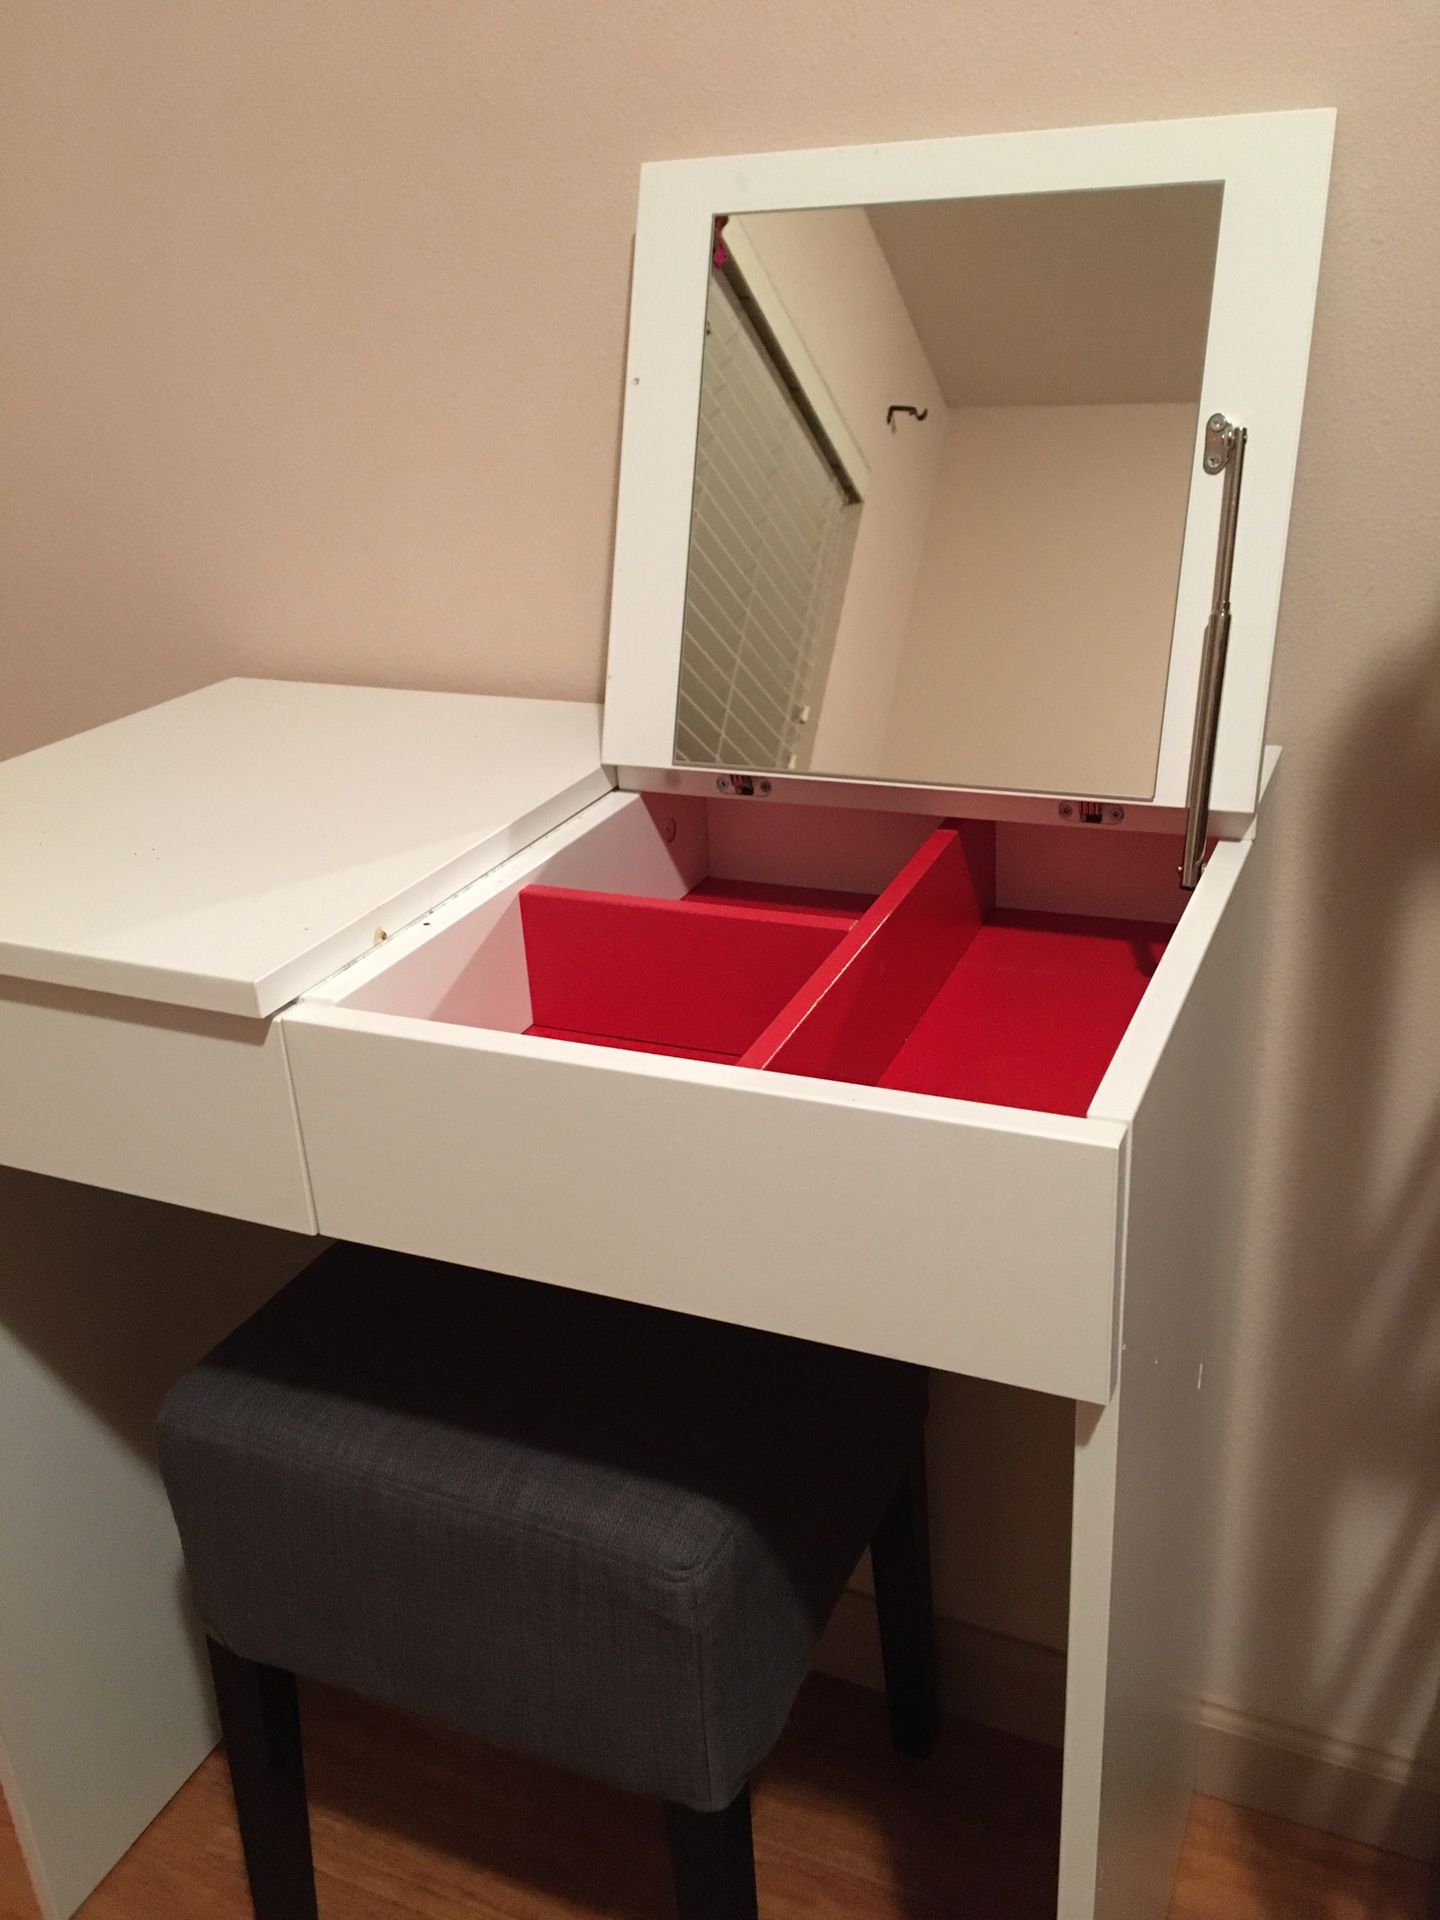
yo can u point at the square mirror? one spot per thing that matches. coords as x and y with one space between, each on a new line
942 465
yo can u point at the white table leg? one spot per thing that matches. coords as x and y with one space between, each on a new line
104 1710
1146 1464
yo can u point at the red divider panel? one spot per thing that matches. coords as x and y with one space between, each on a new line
1033 1014
688 976
849 1020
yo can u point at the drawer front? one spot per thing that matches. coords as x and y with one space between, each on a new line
971 1239
194 1108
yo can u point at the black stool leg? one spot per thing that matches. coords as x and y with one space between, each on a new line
260 1717
712 1856
900 1560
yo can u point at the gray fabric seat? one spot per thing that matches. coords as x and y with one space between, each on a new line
596 1533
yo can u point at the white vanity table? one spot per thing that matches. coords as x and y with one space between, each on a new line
838 1042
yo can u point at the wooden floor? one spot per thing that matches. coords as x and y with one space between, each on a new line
414 1822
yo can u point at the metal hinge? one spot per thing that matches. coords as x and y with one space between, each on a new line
1224 454
1092 813
1219 443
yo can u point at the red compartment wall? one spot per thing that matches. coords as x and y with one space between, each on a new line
689 976
848 1021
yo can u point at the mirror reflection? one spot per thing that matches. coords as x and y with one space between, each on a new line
942 471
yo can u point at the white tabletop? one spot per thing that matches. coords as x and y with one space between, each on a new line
229 849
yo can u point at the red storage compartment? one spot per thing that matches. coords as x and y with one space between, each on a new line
927 989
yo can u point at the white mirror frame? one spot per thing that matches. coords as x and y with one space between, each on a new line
1275 168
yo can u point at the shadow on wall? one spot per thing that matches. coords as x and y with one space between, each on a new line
115 1297
1342 1554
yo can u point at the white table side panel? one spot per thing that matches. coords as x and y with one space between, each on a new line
975 1239
227 850
193 1108
1142 1533
1143 1046
105 1706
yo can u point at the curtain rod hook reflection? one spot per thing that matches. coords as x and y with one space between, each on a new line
916 413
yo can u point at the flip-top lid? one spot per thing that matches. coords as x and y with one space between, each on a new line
228 850
931 458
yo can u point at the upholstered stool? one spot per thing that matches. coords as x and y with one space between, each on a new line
599 1534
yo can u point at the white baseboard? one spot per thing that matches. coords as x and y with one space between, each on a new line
1382 1799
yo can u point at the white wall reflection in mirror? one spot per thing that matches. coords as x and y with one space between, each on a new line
978 590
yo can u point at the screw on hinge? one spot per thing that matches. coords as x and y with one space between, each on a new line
1220 437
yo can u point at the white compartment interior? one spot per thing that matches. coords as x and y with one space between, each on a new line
465 963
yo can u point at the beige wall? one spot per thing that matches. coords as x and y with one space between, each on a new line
840 293
313 326
1039 641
